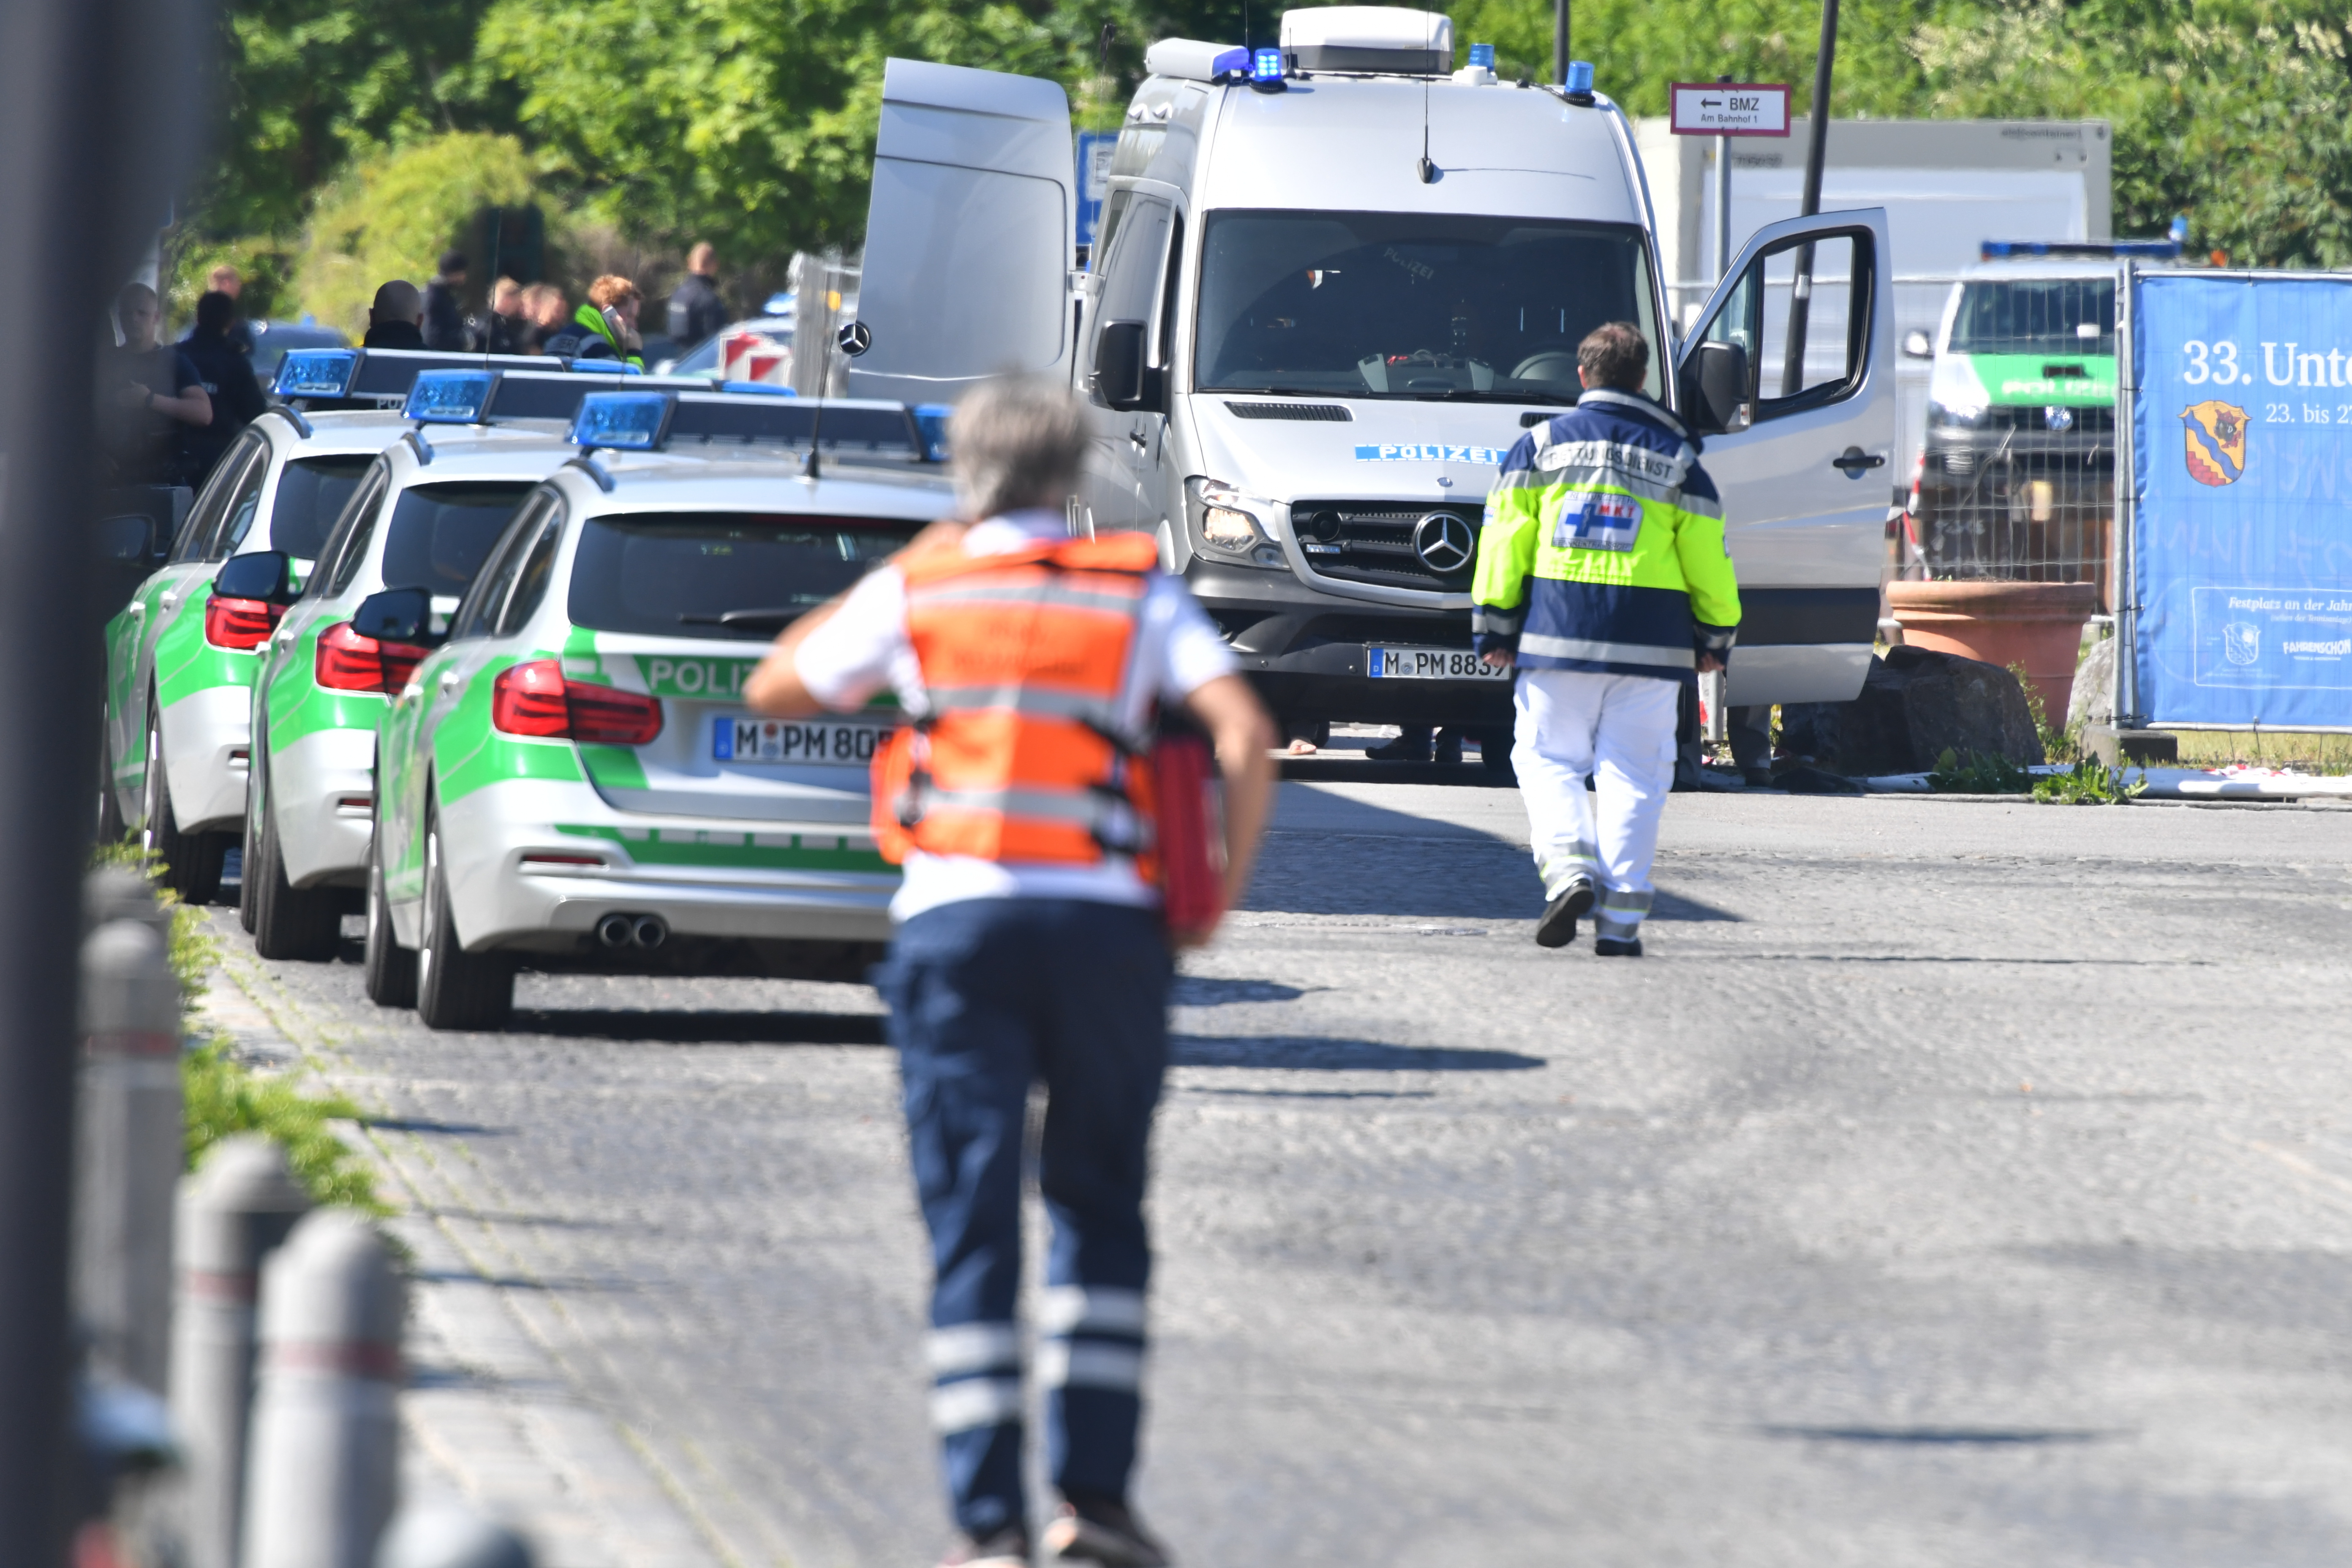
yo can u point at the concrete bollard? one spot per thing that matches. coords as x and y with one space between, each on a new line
323 1468
128 1159
118 893
233 1212
446 1534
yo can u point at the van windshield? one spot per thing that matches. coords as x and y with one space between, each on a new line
1411 305
2036 316
725 574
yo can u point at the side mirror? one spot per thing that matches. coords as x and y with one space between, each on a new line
1715 386
1918 344
129 538
264 575
398 614
1121 378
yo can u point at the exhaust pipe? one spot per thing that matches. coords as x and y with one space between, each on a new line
651 932
615 931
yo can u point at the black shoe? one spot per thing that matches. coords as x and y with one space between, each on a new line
1412 746
1757 778
1613 947
1008 1548
1448 748
1558 927
1093 1529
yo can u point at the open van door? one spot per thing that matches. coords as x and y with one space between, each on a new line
968 235
1801 448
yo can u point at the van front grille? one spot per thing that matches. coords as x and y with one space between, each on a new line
1372 542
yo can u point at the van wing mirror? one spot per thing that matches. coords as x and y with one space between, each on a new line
1715 386
398 614
264 575
1917 344
1121 378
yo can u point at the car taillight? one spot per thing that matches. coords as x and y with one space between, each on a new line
240 623
350 662
534 698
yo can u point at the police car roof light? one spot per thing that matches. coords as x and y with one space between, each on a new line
856 426
451 396
317 372
757 389
1482 55
2092 250
623 421
1580 80
931 419
1266 65
1232 63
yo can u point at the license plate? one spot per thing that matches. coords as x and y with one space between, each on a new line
1429 664
829 742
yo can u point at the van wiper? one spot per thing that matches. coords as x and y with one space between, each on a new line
747 620
1472 394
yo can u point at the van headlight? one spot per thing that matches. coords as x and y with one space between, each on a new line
1231 523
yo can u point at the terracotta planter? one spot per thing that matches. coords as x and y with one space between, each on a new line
2036 625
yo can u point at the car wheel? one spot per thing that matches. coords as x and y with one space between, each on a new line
248 882
456 989
111 826
389 974
192 861
288 921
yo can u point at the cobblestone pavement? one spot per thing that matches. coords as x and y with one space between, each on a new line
1952 1185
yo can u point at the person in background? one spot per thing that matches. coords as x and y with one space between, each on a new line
605 327
544 314
695 312
147 392
505 329
1029 947
445 307
395 319
226 280
227 379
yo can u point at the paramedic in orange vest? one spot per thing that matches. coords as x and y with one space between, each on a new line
1030 943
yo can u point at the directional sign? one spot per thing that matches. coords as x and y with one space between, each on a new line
1730 109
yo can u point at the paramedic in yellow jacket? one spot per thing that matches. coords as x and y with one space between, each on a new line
1602 576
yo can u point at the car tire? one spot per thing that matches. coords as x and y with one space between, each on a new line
248 881
456 989
389 973
111 828
192 861
288 921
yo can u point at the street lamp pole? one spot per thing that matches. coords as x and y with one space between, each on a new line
1558 40
1817 131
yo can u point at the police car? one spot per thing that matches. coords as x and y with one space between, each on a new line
426 512
570 778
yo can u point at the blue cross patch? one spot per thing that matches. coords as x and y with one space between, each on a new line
1607 522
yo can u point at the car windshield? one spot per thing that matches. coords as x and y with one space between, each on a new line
2036 316
741 574
441 534
310 496
1411 305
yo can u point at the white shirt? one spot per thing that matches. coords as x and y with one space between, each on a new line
865 648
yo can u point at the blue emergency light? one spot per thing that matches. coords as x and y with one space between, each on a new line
1481 57
1266 65
758 388
1580 80
2079 249
450 396
317 372
931 419
623 421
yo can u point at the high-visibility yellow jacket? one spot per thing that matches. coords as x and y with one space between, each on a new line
1602 548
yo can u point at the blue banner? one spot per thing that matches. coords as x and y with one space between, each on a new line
2242 500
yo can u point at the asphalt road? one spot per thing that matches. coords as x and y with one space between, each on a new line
1952 1185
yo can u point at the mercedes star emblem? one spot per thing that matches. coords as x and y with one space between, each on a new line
854 338
1444 543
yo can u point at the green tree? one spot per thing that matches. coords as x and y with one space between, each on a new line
391 216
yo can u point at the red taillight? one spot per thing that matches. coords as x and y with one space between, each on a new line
240 623
350 662
535 699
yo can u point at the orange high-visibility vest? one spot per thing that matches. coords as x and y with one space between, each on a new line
1020 753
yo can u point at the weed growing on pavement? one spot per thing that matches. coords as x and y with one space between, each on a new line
1969 774
2089 782
2060 743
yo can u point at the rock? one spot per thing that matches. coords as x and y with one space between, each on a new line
2094 701
1916 703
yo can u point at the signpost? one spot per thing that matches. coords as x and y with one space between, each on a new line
1094 150
1724 108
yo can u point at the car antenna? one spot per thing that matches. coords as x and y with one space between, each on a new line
1428 169
816 427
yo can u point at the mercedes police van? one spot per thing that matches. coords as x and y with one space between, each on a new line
1334 282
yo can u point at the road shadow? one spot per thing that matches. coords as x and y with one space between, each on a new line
1211 991
1469 877
701 1027
1311 1053
1345 768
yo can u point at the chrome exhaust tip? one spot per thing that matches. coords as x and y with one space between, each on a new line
615 931
651 932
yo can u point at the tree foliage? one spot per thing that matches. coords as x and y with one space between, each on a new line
391 215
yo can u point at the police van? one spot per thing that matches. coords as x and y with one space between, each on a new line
1335 280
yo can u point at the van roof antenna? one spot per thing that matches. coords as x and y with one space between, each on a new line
809 470
1429 46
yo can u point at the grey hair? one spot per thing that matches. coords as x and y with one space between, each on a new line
1018 442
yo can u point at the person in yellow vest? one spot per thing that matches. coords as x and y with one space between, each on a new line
1030 944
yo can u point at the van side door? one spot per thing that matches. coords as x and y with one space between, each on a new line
1129 293
1801 446
970 233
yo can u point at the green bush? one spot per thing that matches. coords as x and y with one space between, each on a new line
392 215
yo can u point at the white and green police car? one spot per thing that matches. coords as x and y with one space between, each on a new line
426 514
572 779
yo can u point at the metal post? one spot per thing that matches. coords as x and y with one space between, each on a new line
323 1467
1559 41
1722 204
130 1153
1817 133
232 1213
2124 546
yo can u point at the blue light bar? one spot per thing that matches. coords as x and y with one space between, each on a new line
1482 55
1580 77
2086 250
932 418
1232 62
317 372
758 388
623 421
450 396
1266 65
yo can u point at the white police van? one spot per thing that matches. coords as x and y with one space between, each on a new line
1333 283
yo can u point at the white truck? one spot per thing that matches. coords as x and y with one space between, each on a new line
1336 282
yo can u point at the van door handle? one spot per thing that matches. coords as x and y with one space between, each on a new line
1854 461
1143 442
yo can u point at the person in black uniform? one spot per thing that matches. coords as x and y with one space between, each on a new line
697 314
147 392
227 378
393 320
445 307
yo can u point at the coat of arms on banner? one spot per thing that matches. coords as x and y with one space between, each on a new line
2242 642
2216 434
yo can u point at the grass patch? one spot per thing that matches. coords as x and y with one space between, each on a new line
2300 750
1957 772
2089 781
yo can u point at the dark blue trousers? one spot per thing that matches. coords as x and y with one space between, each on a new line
988 996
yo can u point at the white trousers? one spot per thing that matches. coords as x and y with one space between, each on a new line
1618 730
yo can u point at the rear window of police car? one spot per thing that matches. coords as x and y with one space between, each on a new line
310 496
678 574
441 534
